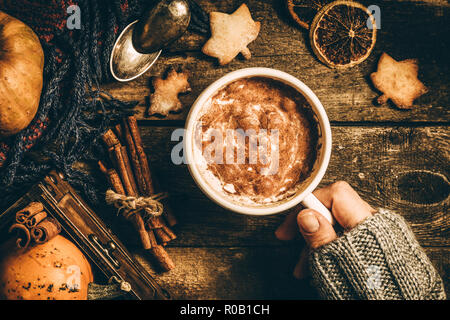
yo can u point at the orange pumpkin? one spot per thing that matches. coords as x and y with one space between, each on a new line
21 75
56 270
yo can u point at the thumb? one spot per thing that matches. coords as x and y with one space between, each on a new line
316 230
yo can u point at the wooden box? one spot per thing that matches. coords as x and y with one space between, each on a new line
83 227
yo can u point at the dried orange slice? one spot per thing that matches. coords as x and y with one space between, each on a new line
304 11
340 36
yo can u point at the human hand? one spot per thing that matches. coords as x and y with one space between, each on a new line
348 209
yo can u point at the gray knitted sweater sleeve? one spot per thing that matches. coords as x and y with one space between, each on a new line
378 259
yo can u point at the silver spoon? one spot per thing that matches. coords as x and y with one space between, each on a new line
139 45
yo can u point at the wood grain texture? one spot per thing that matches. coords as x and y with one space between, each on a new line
403 169
248 273
398 159
408 30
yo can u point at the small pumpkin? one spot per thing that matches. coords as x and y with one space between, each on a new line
21 75
55 270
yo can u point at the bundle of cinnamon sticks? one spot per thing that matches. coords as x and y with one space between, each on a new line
130 175
33 223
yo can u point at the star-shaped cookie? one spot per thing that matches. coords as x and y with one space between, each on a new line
398 81
230 34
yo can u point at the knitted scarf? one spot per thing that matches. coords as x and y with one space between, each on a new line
71 115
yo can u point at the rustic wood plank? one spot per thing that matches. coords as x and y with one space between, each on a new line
280 35
403 169
248 273
233 273
348 94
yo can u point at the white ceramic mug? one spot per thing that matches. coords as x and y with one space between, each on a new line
304 193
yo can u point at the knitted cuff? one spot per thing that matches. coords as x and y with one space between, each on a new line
378 259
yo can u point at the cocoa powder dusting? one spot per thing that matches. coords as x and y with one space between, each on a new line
256 104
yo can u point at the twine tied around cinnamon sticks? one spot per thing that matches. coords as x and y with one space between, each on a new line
127 206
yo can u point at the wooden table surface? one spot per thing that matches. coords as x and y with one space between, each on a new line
398 159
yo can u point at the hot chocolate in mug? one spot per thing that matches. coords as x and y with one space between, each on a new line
303 193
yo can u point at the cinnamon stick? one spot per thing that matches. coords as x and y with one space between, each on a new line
35 220
163 259
169 232
28 211
23 235
142 185
110 139
112 156
46 230
132 123
103 168
119 133
124 171
143 234
129 169
115 182
155 223
161 236
151 236
145 168
162 231
113 178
